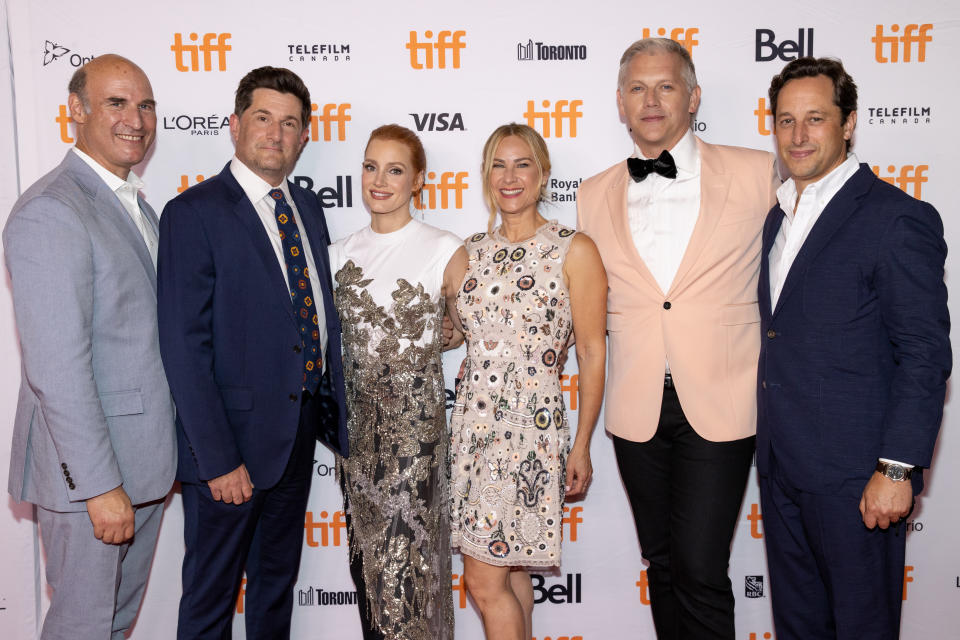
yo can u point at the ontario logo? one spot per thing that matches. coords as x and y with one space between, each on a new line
53 51
541 51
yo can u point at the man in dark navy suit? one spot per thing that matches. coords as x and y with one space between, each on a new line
250 342
853 367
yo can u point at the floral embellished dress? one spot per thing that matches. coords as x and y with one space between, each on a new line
396 480
510 436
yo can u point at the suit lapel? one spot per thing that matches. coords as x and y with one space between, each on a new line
714 186
843 205
770 229
244 211
105 203
617 204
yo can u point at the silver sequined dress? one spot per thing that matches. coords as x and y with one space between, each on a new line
396 487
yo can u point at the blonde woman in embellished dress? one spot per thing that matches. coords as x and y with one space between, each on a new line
527 286
392 279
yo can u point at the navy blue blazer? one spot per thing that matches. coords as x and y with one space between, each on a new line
855 357
228 336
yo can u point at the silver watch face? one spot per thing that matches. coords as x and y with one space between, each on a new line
895 472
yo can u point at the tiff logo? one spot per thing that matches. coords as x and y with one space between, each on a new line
684 36
562 110
571 386
447 42
571 518
333 114
459 588
213 43
763 113
755 518
185 182
337 524
909 175
449 181
64 121
766 636
643 584
907 570
913 34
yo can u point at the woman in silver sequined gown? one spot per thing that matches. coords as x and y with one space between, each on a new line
390 293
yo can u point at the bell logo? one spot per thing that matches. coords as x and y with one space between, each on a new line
337 524
185 184
755 518
240 595
212 43
562 110
571 386
447 41
762 113
568 592
461 589
907 570
786 50
64 121
571 518
449 181
332 114
644 585
908 175
684 36
913 34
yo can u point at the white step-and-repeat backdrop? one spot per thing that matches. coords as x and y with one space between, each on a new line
453 72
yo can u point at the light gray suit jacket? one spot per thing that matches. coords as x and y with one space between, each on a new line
94 410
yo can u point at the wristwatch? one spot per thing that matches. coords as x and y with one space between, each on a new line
896 472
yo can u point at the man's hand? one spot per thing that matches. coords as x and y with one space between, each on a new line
112 516
885 501
579 471
233 487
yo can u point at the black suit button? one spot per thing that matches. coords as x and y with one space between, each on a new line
764 384
667 305
771 334
293 397
296 348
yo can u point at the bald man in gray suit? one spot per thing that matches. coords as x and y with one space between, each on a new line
93 445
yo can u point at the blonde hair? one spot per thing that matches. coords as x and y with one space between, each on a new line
538 148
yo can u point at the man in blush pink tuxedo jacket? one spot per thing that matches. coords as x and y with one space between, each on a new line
678 227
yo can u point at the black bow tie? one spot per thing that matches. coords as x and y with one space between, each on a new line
664 165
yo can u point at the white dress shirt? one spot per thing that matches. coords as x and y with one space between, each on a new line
126 192
258 191
801 212
662 212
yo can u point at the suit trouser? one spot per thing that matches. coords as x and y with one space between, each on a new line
831 578
685 493
97 587
263 535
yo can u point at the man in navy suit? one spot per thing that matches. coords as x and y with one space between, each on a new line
250 341
853 367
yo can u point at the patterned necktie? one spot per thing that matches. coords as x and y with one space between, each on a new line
301 293
664 165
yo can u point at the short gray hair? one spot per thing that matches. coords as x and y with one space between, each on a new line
661 45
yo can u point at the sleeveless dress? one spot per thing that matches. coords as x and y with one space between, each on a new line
510 436
396 480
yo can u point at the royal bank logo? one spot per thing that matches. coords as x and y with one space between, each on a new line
567 590
199 54
909 178
317 597
767 47
684 36
53 51
541 51
563 112
196 125
899 115
566 191
910 46
319 52
436 52
753 586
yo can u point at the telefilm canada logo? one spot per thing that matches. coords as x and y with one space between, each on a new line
899 115
532 51
318 52
753 586
53 51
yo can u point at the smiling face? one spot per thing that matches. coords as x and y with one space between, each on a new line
656 102
810 129
269 135
515 180
117 121
389 180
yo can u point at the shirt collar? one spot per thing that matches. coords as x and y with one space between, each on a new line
823 189
684 154
114 182
253 185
